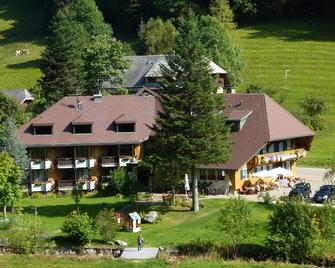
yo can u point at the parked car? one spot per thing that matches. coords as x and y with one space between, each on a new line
325 194
301 190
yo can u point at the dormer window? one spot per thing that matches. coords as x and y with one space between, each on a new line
234 126
125 123
82 129
237 118
81 125
43 130
42 127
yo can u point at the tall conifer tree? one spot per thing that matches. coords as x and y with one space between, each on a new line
80 52
191 129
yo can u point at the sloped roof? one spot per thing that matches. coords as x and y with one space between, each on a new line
134 216
124 119
267 122
21 95
235 115
147 66
41 121
81 120
102 114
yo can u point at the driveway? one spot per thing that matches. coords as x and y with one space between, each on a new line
312 175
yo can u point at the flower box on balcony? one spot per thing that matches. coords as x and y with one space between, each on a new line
41 186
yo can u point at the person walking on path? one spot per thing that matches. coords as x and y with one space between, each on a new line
140 241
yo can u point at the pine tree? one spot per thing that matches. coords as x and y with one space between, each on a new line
62 63
80 52
191 129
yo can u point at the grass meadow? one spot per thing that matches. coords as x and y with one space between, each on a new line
17 261
176 226
305 47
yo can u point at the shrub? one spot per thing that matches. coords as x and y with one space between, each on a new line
25 235
107 225
118 177
78 227
37 195
294 231
267 198
182 203
235 221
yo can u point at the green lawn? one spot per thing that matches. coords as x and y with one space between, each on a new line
21 25
177 225
17 261
307 48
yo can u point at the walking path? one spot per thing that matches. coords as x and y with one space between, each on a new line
145 253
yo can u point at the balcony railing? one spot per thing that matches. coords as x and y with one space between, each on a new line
125 160
108 161
36 164
64 163
65 185
41 186
85 162
87 185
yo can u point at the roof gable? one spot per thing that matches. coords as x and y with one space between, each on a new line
282 124
81 120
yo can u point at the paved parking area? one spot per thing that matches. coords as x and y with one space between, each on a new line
312 175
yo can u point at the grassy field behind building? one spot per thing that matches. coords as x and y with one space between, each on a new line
305 47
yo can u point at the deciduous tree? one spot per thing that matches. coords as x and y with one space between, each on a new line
221 10
10 181
158 37
219 47
10 143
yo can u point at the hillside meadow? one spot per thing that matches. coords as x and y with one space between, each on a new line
305 47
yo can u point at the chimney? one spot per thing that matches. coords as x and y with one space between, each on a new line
79 104
97 97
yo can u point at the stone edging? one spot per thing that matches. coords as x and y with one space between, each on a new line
110 252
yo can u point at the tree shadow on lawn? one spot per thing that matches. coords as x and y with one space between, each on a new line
207 247
28 64
63 210
28 20
294 31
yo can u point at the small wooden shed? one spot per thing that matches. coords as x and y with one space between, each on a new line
134 222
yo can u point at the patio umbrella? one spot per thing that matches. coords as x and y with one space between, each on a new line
282 171
265 174
187 185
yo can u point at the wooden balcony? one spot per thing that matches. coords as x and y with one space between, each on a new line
277 157
36 164
63 163
108 161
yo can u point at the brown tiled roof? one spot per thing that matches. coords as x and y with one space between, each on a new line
267 122
81 120
102 114
238 114
41 121
124 119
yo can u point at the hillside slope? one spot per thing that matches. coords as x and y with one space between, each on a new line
21 27
306 48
